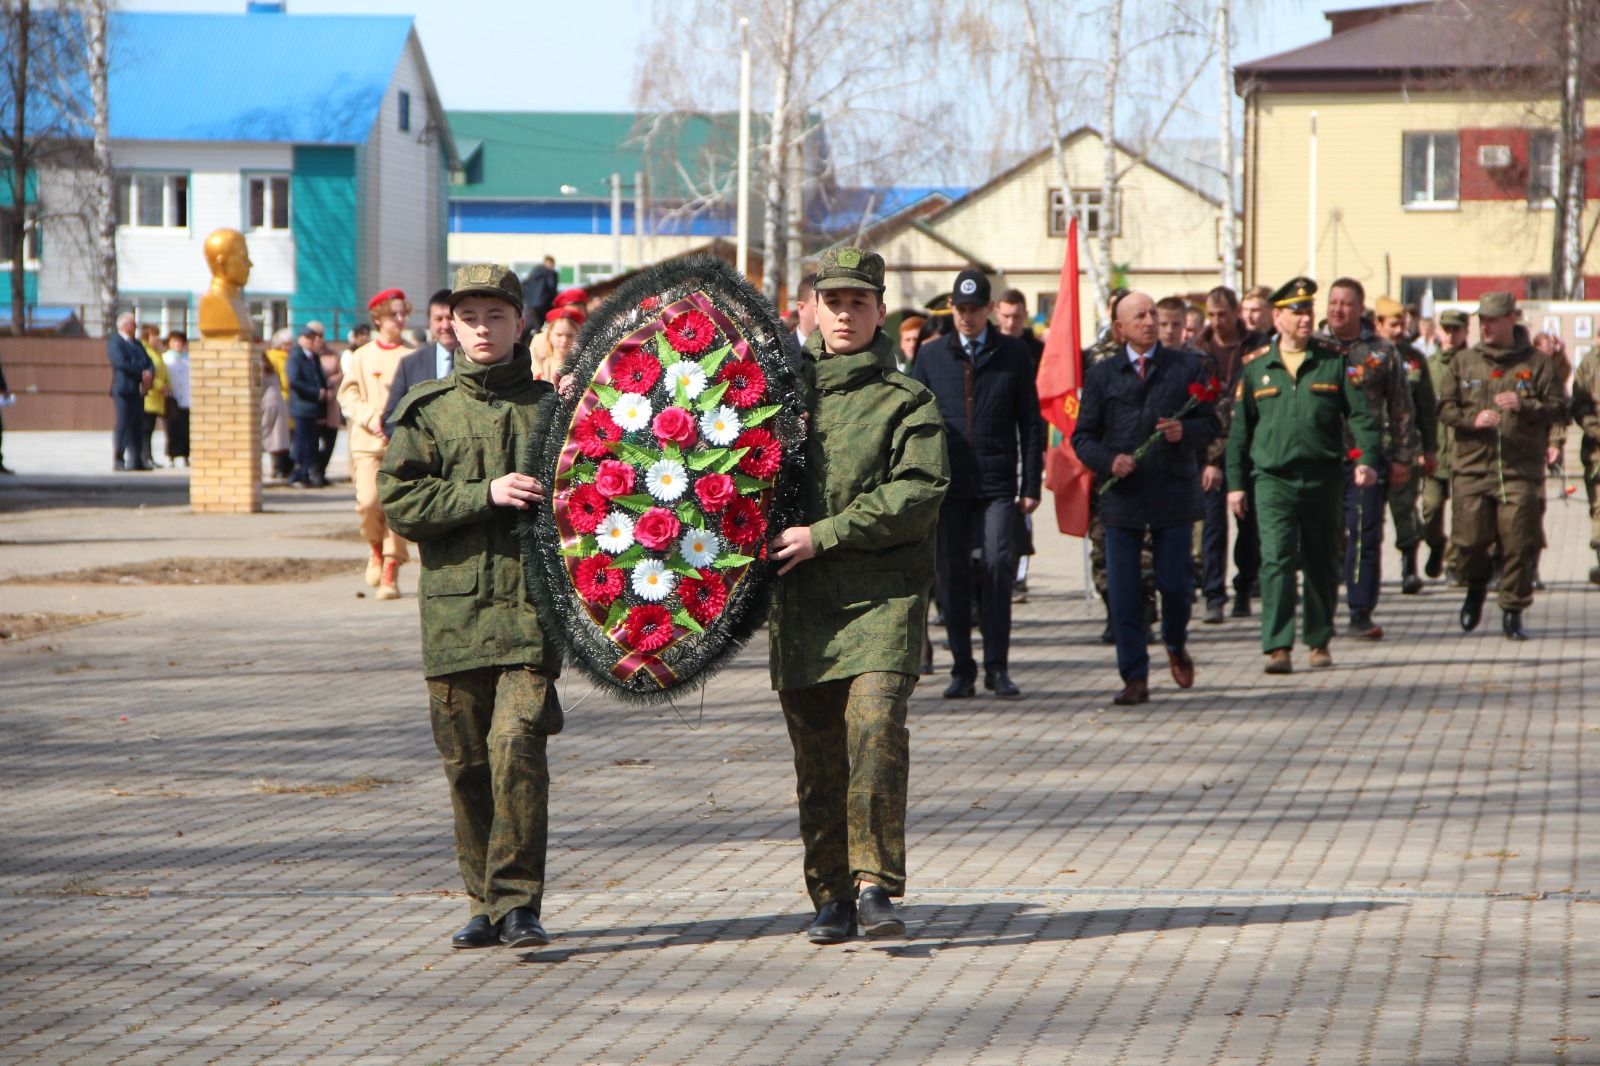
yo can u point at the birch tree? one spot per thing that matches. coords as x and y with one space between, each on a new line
1568 247
104 211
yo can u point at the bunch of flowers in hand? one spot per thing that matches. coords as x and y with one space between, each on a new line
661 494
1199 392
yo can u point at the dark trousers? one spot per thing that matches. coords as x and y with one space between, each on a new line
490 726
1298 518
1363 549
1481 521
1214 550
303 447
1174 576
958 519
147 432
125 440
177 432
326 436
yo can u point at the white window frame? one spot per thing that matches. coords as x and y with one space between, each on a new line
1547 202
1056 217
269 201
264 309
1431 202
169 310
169 198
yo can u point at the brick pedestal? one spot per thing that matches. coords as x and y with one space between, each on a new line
224 428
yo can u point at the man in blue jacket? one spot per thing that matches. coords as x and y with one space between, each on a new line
1127 399
131 375
983 383
308 403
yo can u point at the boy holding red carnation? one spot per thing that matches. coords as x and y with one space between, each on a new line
849 614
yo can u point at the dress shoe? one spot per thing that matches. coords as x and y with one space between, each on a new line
960 688
999 682
478 933
1321 658
1472 607
521 929
1511 625
1279 662
835 923
1212 615
1241 607
1106 635
877 915
1362 626
1135 691
1019 592
1538 585
1435 564
1410 580
1182 667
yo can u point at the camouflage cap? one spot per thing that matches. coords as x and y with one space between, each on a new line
486 279
849 268
1496 305
1453 319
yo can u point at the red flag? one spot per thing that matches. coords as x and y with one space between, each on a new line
1060 378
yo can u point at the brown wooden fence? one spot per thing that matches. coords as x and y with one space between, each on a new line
60 383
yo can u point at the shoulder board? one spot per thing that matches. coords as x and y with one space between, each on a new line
1251 357
420 394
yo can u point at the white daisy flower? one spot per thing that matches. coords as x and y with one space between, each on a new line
699 547
666 479
632 411
615 533
686 374
720 426
652 580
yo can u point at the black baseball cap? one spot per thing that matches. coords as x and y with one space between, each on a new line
971 287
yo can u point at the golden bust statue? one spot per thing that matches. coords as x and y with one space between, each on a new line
222 310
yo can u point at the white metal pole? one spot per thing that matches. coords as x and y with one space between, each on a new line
742 227
1311 207
616 224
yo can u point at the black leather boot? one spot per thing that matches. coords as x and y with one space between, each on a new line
1435 564
1511 625
878 916
1472 606
1410 580
835 923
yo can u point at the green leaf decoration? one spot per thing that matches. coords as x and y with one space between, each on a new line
582 473
731 460
618 612
711 397
760 414
590 543
679 565
690 516
705 457
639 502
682 617
712 361
672 451
733 562
680 396
628 559
747 484
608 394
665 352
573 551
635 455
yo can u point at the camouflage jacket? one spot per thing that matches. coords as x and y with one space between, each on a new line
1586 411
874 476
1438 362
1424 398
1516 448
1377 369
1224 362
452 437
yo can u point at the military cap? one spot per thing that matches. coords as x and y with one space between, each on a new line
1295 294
1453 318
971 287
849 268
487 279
1388 307
1496 305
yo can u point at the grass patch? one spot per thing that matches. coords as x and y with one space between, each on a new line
26 624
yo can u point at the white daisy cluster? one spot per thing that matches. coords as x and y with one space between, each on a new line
632 411
699 547
615 534
666 479
652 581
687 375
720 426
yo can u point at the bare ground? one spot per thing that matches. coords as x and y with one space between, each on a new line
188 571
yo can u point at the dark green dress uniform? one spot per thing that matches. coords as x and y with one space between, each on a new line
490 669
1436 487
1287 440
847 625
1586 413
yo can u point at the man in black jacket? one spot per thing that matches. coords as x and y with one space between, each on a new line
984 384
1126 399
539 289
430 362
308 403
131 375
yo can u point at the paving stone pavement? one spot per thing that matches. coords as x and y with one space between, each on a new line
1390 862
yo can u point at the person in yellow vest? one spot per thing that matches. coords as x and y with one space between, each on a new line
155 401
363 395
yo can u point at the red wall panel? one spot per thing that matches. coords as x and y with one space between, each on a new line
1500 183
1468 288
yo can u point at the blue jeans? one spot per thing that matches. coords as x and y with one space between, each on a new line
1174 576
1363 526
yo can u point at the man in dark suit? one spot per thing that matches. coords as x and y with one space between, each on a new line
132 373
1127 398
984 384
429 362
539 290
308 404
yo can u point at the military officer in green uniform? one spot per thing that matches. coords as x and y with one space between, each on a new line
449 482
1501 397
1293 402
1436 486
850 611
1390 318
1586 413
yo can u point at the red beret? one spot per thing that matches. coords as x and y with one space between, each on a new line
578 315
384 297
571 296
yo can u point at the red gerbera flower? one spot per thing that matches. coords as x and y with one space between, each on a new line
636 372
746 383
586 508
764 456
597 581
704 597
743 523
690 332
596 433
648 627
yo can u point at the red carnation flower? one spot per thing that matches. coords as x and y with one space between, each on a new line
1354 455
690 332
1204 391
743 523
1497 373
714 491
747 385
657 528
614 478
586 508
764 456
649 303
675 426
648 627
596 433
597 582
704 597
636 372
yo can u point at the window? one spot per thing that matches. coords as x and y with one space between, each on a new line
30 237
1413 289
405 111
1432 164
166 312
1540 287
590 273
269 315
153 200
1046 303
268 206
1544 168
1086 205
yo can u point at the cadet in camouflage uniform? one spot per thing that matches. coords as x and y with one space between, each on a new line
1294 405
1436 487
1500 397
1391 323
1375 368
850 611
1586 413
449 482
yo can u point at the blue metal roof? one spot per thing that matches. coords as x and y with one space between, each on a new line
300 79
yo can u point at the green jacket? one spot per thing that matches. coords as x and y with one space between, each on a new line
1515 449
1424 401
1381 374
451 438
1295 427
1437 364
1586 411
875 474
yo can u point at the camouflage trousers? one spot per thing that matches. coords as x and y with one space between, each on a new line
1591 487
1403 509
1435 502
1480 520
852 759
490 726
